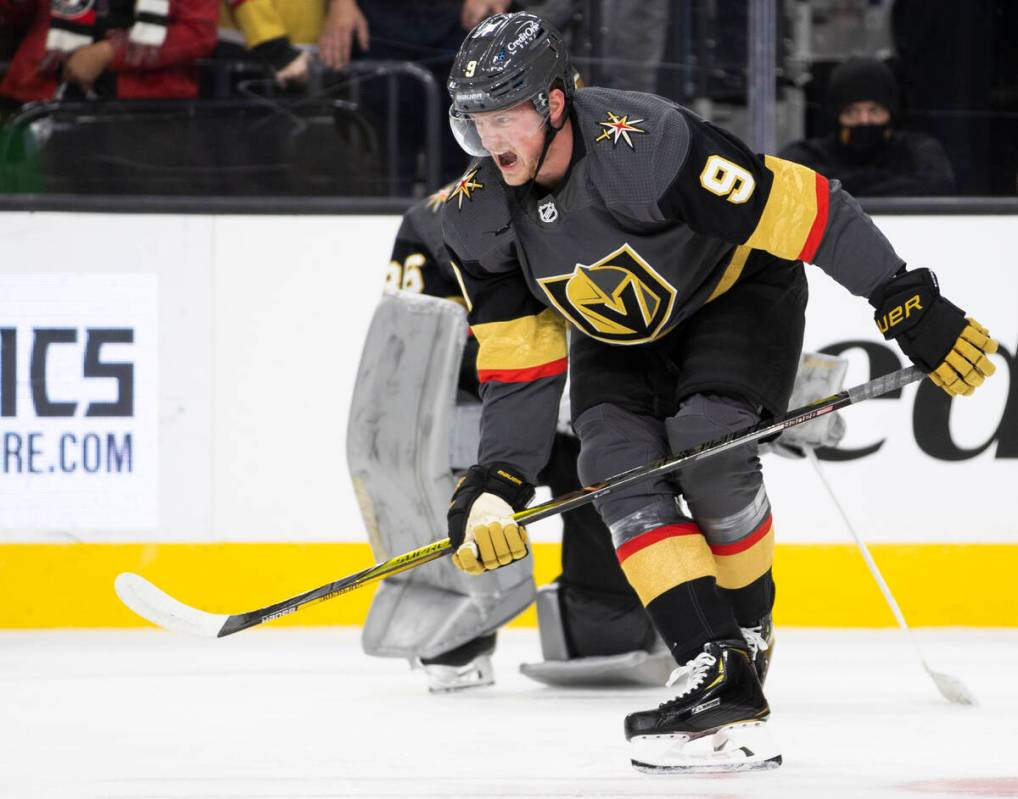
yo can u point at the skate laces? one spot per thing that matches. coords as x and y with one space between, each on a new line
755 640
689 676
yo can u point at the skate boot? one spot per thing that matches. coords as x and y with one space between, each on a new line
715 724
760 640
467 666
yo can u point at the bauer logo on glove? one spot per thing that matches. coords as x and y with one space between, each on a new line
899 314
935 334
483 533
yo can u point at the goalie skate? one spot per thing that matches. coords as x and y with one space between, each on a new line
468 666
715 724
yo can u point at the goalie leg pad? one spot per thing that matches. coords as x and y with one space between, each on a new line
399 455
630 654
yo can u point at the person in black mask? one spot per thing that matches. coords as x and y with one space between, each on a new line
867 152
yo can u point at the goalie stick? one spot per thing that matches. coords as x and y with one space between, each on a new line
950 687
160 608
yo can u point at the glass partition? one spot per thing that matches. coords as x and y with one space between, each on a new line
945 72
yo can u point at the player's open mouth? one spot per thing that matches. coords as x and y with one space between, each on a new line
506 160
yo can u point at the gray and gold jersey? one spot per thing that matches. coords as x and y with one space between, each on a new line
655 217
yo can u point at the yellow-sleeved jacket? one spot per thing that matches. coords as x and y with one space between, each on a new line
260 21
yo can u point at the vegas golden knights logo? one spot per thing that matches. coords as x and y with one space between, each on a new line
620 299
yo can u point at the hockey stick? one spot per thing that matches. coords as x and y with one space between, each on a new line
950 687
158 607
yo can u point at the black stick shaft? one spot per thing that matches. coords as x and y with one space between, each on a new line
576 499
408 560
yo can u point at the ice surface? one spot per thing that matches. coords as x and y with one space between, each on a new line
303 713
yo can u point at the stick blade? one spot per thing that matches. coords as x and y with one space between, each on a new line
951 688
155 605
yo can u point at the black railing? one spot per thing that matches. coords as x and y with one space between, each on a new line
433 110
270 129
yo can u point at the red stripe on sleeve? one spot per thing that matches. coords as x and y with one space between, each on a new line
744 543
644 540
550 369
816 231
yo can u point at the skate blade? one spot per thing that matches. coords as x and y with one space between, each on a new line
737 747
457 687
712 768
479 673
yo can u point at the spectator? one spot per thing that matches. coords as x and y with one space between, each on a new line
867 153
426 31
276 31
110 49
404 26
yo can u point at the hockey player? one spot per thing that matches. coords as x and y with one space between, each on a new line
675 253
591 619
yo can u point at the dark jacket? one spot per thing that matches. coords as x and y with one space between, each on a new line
909 165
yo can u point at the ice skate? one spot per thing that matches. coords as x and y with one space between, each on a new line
467 666
760 640
715 724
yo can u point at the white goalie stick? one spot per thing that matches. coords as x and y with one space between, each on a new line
160 608
950 687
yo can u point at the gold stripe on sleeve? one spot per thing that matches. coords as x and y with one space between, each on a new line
791 207
521 343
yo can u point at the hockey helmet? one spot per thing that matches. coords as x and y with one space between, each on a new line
508 59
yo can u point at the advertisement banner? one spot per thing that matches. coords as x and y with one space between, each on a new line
78 402
262 321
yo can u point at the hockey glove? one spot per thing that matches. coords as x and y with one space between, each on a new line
934 333
481 528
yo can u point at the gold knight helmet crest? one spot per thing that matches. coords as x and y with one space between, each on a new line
620 299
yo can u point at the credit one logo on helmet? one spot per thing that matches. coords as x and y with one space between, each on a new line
526 35
78 401
620 299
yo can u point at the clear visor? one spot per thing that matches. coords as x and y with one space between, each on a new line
494 132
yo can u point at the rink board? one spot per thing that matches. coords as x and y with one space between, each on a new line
176 405
818 585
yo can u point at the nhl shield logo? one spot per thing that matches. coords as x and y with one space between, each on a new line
547 212
618 300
